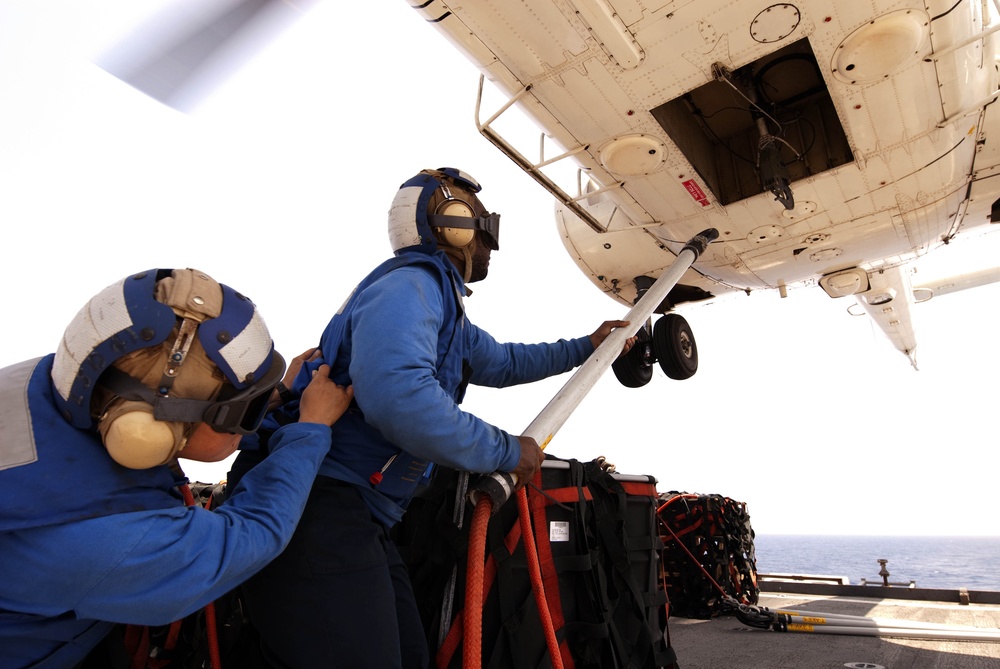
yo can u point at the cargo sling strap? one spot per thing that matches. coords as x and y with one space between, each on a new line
603 615
600 571
609 506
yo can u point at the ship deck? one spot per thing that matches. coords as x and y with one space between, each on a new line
725 642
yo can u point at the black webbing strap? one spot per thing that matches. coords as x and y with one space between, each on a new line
610 506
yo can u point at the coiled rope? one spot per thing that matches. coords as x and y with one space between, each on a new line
475 585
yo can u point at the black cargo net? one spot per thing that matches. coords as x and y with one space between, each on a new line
707 553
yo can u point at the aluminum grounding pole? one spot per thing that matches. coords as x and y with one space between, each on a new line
499 486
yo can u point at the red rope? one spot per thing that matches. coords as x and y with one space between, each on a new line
475 585
537 587
695 560
674 499
455 633
539 504
472 653
450 644
213 636
210 629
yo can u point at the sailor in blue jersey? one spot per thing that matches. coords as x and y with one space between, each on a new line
339 595
93 530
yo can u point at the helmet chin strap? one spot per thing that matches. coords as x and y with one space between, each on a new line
465 256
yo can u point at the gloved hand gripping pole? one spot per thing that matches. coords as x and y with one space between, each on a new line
498 486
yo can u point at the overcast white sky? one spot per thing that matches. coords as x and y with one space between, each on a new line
278 185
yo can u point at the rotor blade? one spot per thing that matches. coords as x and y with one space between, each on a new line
170 58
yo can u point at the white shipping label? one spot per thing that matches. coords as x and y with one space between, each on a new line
559 530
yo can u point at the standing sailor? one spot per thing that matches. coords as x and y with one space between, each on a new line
340 593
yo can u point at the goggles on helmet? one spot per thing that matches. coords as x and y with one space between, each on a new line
234 411
488 224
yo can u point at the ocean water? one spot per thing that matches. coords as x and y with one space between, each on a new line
932 562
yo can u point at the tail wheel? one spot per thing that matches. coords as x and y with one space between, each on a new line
635 368
674 347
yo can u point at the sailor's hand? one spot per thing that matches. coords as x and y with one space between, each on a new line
323 401
530 462
601 333
295 364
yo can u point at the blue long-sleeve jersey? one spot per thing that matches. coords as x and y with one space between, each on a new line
403 340
62 584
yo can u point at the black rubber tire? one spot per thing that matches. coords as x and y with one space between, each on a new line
635 368
675 347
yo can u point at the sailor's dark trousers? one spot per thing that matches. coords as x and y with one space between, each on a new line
339 595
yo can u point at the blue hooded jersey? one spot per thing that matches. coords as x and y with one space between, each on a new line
43 485
85 542
403 340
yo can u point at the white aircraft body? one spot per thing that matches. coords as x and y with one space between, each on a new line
830 144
